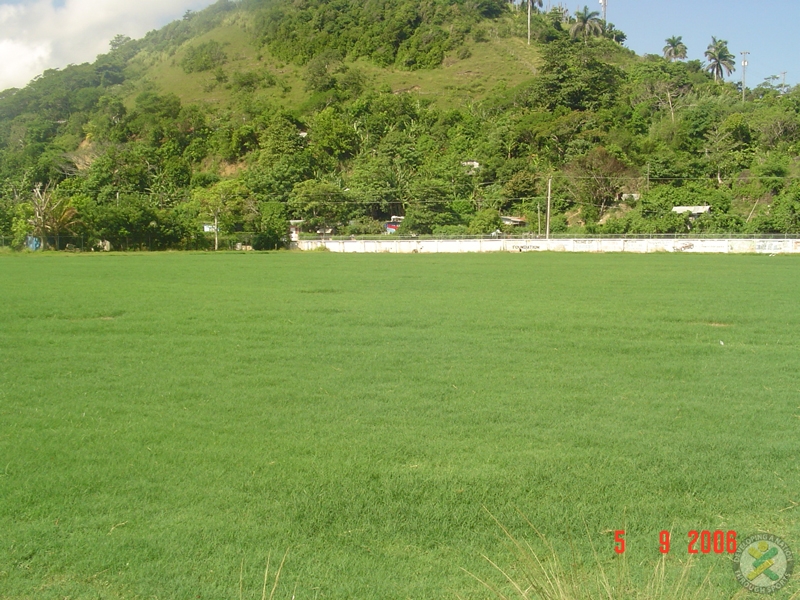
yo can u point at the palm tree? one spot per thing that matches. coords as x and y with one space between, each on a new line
675 48
51 215
586 23
719 58
539 4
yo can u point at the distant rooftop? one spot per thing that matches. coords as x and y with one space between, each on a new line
695 210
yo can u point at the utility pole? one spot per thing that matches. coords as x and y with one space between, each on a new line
744 73
604 4
547 227
539 217
783 84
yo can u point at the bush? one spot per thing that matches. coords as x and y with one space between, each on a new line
558 224
365 226
274 227
450 230
267 241
425 49
784 214
249 81
423 218
486 221
203 57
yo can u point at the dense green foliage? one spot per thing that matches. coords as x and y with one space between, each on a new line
606 125
170 418
414 35
204 57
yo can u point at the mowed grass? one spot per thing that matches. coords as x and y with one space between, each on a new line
169 420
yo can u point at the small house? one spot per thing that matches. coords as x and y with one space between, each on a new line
513 221
694 211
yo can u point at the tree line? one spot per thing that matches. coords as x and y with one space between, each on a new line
622 139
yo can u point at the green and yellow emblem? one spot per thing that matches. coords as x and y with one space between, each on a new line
763 563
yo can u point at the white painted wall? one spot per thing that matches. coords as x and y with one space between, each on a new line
408 246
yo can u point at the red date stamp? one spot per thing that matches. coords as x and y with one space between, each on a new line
699 542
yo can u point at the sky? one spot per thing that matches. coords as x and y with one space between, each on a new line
765 28
41 34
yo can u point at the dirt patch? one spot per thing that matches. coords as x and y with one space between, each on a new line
413 88
228 169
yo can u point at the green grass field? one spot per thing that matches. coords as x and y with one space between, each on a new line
168 420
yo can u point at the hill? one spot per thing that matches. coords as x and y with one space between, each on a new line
345 113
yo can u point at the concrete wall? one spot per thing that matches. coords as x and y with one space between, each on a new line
407 246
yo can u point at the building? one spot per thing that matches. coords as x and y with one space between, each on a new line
694 211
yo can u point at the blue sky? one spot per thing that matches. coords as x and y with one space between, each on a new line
765 28
40 34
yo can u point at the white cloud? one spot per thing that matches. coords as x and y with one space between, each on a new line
36 34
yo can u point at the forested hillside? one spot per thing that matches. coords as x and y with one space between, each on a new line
345 113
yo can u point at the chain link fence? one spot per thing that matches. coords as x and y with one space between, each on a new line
68 243
245 241
564 236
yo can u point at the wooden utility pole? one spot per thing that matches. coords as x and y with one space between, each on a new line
539 217
549 188
216 230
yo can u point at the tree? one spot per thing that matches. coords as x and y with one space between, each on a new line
273 226
719 59
485 221
321 69
51 215
539 4
332 135
319 204
596 181
587 23
218 201
118 41
675 48
576 77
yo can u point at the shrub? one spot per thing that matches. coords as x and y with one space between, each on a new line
447 230
203 57
273 227
249 81
486 221
365 226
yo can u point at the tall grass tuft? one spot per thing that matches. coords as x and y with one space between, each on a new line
544 576
275 580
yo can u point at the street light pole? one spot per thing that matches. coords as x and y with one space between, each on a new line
744 73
